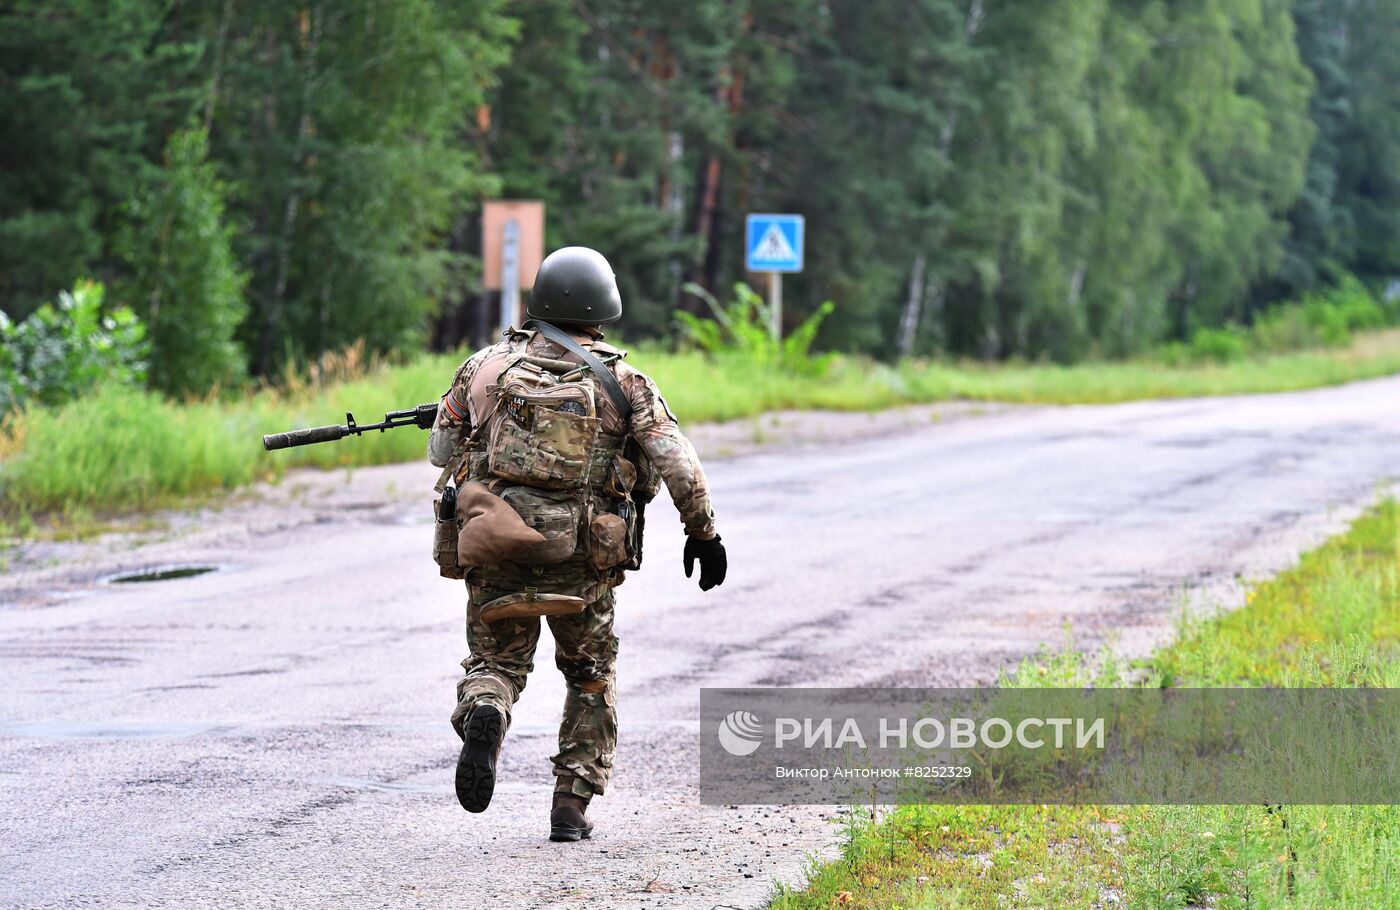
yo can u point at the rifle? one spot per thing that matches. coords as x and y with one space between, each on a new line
421 417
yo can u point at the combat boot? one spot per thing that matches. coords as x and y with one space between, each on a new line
476 766
566 820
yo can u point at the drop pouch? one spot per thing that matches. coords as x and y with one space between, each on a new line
491 530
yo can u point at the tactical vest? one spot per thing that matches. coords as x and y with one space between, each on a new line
543 452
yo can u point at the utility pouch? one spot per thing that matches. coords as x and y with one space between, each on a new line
542 435
555 515
445 530
607 541
528 604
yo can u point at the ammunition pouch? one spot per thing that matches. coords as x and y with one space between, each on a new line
607 541
446 527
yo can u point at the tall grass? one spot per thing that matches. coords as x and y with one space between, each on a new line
722 387
1334 620
122 448
117 449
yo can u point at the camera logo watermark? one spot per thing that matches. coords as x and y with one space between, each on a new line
740 733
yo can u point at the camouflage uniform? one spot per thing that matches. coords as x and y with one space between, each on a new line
502 653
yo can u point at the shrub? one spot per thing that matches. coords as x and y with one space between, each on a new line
1359 308
742 329
69 349
1327 320
1225 345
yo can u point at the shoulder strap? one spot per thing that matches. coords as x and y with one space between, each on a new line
605 376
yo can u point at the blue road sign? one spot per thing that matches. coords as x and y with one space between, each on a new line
773 243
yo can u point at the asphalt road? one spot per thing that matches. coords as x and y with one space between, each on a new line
273 734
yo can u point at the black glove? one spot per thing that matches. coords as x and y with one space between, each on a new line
713 563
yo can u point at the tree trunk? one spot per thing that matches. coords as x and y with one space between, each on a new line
309 29
219 46
909 324
913 307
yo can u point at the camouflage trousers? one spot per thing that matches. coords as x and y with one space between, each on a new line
502 656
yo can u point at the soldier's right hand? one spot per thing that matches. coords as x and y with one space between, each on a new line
714 564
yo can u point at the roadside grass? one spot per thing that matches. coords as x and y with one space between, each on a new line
724 388
118 450
937 857
1333 620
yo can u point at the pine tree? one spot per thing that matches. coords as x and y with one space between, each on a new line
1369 169
90 87
1321 228
340 124
609 111
184 284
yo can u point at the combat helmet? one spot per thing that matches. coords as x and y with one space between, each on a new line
575 285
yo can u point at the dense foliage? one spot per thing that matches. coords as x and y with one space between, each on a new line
69 350
265 181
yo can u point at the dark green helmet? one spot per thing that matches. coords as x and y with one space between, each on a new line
575 285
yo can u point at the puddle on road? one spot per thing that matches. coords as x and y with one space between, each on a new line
164 573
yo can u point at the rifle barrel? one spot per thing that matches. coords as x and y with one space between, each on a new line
306 437
421 416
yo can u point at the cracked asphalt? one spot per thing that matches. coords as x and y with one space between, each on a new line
274 733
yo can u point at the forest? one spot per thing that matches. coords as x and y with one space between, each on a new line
257 183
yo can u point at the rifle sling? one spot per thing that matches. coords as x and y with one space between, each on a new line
591 361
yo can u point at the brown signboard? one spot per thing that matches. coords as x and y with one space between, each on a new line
529 218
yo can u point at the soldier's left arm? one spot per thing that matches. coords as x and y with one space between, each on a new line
656 431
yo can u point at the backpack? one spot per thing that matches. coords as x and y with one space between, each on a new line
544 428
542 451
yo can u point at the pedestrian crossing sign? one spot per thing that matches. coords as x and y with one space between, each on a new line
773 243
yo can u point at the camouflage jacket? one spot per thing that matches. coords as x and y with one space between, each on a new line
652 424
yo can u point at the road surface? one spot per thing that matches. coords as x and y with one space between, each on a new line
273 734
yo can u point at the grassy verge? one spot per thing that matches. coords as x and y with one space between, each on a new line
119 449
715 389
1334 620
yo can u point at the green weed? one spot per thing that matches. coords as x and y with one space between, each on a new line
1333 620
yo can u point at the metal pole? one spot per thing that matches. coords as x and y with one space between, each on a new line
510 274
775 303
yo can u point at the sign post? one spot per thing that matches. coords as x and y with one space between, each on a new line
510 272
512 248
773 244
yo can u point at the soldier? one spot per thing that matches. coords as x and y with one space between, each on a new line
482 431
